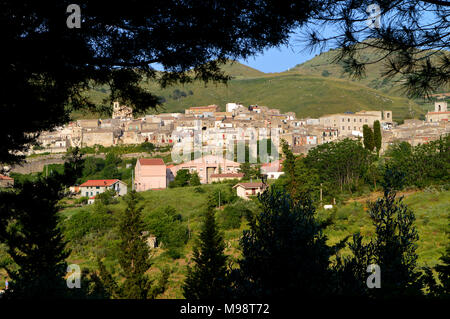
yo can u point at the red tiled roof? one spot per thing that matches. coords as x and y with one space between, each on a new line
99 182
151 161
3 177
250 185
228 175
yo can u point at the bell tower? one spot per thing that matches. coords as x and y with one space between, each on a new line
440 106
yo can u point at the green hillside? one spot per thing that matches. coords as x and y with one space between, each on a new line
302 90
325 65
305 95
99 240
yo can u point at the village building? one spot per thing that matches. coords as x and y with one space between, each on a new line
440 113
150 174
208 165
93 187
121 111
246 190
6 181
225 177
201 110
273 170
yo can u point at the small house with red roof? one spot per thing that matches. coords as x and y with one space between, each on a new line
94 187
246 190
150 173
6 181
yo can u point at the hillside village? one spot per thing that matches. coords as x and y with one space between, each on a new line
213 129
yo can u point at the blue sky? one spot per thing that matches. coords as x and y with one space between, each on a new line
279 59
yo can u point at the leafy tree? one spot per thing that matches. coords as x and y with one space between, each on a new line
299 180
208 279
181 179
107 197
377 135
134 254
166 224
340 163
368 138
284 253
194 179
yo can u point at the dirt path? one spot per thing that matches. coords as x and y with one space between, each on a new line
373 196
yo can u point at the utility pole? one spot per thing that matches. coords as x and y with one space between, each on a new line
320 193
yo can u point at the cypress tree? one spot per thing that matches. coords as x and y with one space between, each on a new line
134 254
207 279
368 138
377 135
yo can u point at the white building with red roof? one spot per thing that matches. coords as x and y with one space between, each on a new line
93 187
150 173
273 170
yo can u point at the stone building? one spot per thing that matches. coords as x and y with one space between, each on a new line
440 113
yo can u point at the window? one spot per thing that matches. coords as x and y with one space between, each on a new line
343 127
98 187
365 120
349 127
354 127
354 120
360 120
348 119
343 120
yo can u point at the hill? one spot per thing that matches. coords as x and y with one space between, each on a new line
325 65
351 217
303 90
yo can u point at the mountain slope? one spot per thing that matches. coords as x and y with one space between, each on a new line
304 94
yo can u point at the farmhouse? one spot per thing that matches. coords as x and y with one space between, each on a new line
245 190
94 187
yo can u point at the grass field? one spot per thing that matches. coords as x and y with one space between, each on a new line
431 209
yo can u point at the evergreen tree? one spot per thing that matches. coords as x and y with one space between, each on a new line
285 254
246 169
368 138
109 285
29 228
133 252
34 240
377 135
207 279
393 249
